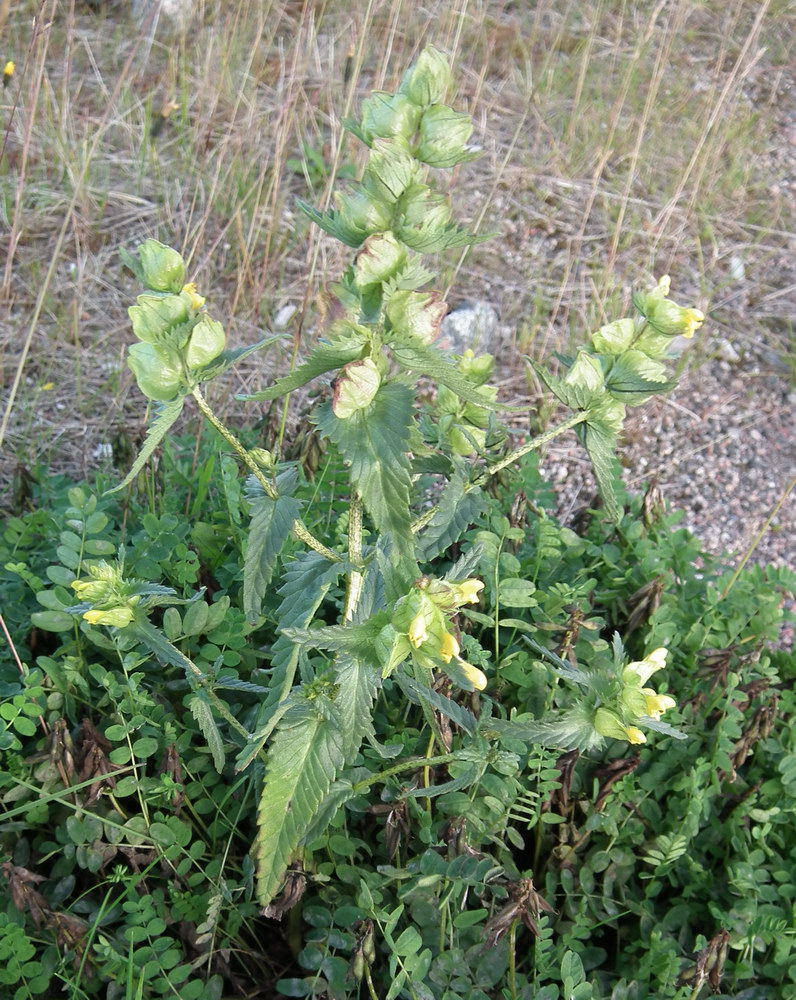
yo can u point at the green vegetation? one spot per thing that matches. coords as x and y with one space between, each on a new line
368 718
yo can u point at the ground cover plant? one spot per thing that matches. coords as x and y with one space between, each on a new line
389 700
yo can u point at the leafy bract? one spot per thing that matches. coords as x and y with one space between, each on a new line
374 442
307 581
271 521
165 416
600 442
313 743
325 358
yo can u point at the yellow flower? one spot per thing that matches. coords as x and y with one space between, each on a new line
449 647
468 591
117 617
8 69
644 669
665 284
475 676
196 301
48 386
635 735
657 704
417 630
693 319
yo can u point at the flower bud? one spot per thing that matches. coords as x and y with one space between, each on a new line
157 318
157 376
443 136
385 115
634 735
380 258
355 388
418 314
262 457
163 269
207 342
94 591
428 79
115 617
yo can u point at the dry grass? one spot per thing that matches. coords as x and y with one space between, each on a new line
622 139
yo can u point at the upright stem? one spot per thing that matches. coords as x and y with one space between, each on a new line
355 577
299 529
492 470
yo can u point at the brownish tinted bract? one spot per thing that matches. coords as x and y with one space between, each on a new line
293 890
93 761
172 766
524 904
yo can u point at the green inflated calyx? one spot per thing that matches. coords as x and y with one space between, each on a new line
443 137
162 269
156 371
427 81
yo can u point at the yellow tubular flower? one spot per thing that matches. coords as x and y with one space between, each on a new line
657 704
449 647
417 630
665 284
196 300
468 591
8 69
693 319
644 669
475 676
117 617
635 735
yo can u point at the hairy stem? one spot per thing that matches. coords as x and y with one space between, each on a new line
355 577
514 456
299 529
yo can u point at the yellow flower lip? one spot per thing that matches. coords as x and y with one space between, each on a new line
657 704
417 630
8 69
644 669
635 735
449 647
693 318
196 300
475 676
468 591
665 284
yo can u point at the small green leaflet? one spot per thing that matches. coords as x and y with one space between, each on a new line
271 521
432 238
325 358
333 223
165 416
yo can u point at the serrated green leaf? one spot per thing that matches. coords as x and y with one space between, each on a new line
228 359
271 521
419 693
374 442
309 751
458 509
600 443
325 358
166 415
333 223
423 359
306 582
203 713
433 238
